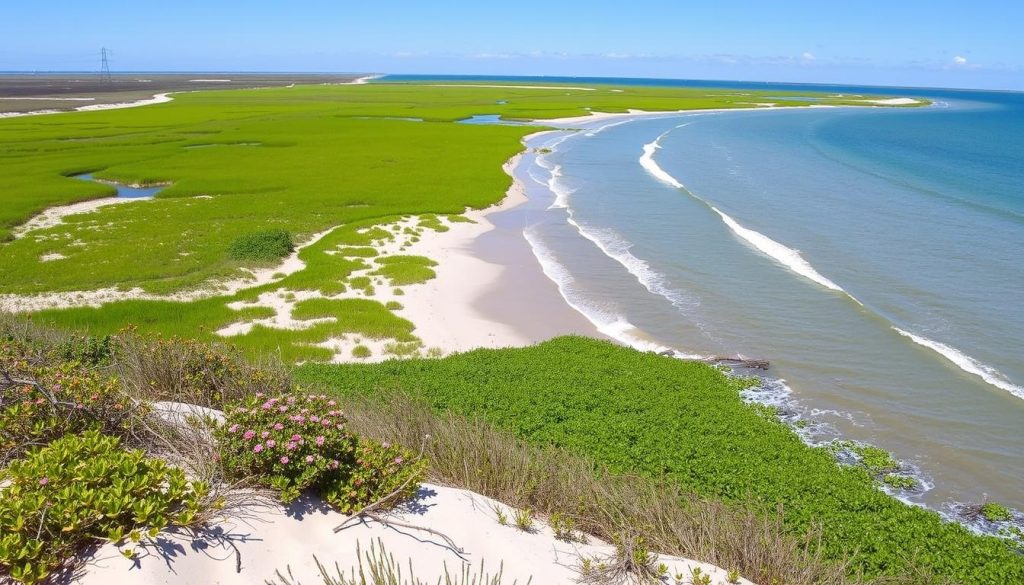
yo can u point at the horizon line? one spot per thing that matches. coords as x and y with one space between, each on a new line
486 76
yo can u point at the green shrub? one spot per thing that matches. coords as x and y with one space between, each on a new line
995 512
263 246
361 352
47 403
296 442
900 481
84 489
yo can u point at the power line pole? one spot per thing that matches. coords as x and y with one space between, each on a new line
104 66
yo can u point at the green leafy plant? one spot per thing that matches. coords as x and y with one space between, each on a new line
499 514
733 576
84 489
523 519
564 527
361 352
699 577
297 442
900 481
995 512
262 246
39 404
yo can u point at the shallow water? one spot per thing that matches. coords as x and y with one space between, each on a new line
124 191
873 255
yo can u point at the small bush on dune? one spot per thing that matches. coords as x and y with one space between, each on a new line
293 443
41 404
81 490
182 370
262 246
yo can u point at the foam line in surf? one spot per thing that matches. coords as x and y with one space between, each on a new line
966 363
788 257
611 324
617 248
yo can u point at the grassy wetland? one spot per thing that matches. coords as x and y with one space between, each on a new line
335 162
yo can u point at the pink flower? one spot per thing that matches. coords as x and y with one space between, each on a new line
291 446
267 406
257 448
309 458
233 429
398 460
386 445
320 441
314 418
271 443
44 481
297 438
278 427
283 408
291 400
285 460
216 456
332 403
249 435
333 464
264 434
325 422
259 395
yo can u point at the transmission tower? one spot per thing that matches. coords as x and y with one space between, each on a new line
104 66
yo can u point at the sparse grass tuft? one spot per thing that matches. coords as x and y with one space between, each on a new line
378 567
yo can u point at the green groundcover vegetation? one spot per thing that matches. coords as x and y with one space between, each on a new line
685 421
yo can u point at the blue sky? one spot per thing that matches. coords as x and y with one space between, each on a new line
940 43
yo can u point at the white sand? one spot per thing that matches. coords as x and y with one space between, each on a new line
278 539
54 216
894 102
441 309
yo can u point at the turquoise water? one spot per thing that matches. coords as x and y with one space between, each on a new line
875 256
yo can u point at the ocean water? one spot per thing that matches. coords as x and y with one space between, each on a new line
874 256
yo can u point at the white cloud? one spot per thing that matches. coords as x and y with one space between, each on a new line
808 56
958 60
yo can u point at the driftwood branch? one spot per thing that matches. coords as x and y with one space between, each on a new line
725 360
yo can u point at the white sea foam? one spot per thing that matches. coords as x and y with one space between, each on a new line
611 324
966 363
613 245
782 254
557 186
652 167
788 257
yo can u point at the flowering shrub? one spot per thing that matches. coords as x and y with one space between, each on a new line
295 442
41 404
80 490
